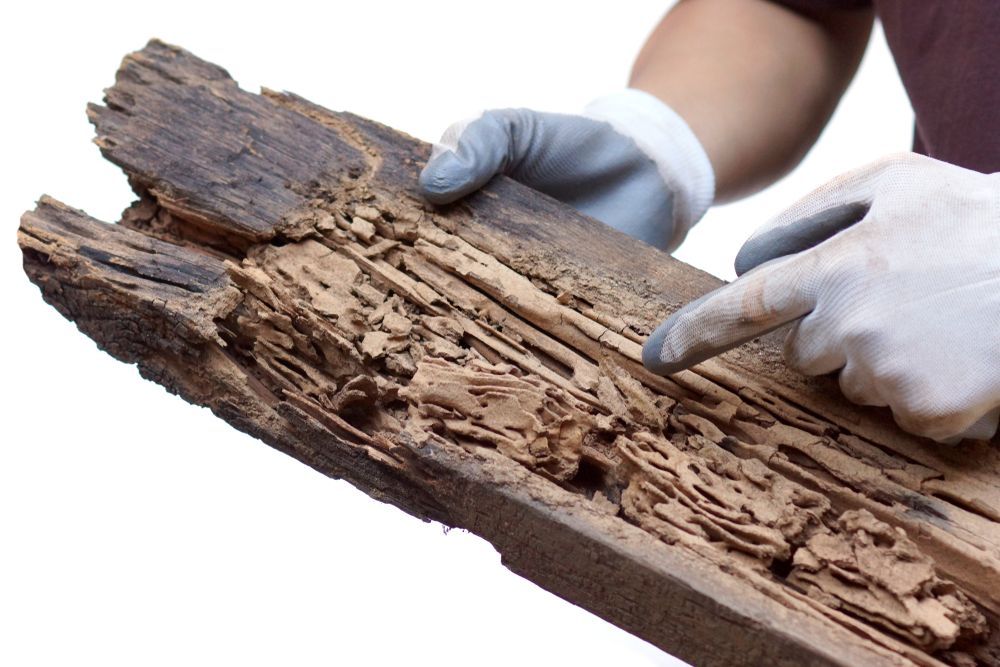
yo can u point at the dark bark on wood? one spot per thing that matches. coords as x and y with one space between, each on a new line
478 365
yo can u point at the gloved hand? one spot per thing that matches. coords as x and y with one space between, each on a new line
891 274
629 161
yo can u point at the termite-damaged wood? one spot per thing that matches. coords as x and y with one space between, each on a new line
479 365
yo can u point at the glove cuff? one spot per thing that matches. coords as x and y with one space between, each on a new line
666 139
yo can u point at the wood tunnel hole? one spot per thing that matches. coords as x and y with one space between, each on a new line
362 416
781 568
548 360
807 463
469 342
232 333
733 446
920 504
291 366
592 478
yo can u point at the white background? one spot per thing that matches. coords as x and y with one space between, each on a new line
137 529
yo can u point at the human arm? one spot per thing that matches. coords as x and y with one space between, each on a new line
755 81
634 162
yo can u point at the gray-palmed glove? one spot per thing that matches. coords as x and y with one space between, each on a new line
889 274
628 160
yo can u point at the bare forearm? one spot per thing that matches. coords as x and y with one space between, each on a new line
755 81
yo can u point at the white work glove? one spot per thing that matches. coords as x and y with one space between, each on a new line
891 274
629 161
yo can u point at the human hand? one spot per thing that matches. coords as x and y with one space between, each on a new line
891 275
629 161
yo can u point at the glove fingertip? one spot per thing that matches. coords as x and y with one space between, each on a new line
749 257
444 179
653 354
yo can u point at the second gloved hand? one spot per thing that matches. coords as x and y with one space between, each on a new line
889 275
628 160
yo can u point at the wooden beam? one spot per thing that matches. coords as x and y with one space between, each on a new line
478 365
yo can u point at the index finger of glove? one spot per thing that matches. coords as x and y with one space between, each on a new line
768 297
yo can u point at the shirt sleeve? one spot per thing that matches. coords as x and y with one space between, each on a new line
813 6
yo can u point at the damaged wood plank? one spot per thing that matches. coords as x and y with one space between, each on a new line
479 365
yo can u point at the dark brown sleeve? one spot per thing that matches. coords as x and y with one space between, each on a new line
813 7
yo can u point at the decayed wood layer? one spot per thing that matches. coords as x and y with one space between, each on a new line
479 365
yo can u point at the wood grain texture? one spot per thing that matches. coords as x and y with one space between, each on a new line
478 365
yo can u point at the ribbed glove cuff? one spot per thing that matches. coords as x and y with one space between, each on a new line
665 137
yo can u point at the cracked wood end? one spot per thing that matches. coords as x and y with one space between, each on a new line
478 364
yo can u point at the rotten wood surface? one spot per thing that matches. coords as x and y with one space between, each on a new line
478 365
